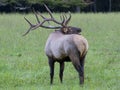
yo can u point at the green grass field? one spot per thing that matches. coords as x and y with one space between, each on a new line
24 66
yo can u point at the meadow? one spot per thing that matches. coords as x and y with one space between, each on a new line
24 66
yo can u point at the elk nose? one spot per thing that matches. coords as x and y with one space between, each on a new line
79 30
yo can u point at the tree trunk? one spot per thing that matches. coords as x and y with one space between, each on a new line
110 5
78 9
95 9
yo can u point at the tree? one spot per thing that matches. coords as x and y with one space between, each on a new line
110 5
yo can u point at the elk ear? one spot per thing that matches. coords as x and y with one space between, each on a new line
64 30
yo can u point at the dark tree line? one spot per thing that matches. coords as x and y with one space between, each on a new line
108 5
60 5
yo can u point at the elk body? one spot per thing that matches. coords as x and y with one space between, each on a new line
64 44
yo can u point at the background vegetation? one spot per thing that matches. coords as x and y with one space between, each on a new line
24 66
60 5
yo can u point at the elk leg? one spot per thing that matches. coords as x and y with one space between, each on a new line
51 64
76 62
61 71
82 60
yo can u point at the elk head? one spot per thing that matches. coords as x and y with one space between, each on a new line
62 25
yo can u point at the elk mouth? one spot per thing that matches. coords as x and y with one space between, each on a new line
78 33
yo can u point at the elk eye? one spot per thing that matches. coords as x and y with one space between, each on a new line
70 29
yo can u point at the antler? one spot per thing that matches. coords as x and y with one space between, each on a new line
61 24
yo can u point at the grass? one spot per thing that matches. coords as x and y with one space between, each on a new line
24 66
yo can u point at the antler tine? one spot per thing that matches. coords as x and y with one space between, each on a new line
52 18
50 13
31 26
28 22
61 17
27 32
65 16
63 23
41 15
63 20
36 16
67 21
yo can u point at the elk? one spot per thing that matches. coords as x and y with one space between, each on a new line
63 45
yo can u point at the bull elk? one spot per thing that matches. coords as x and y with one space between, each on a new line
64 44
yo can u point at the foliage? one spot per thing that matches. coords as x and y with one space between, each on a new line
116 5
63 4
103 5
24 66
